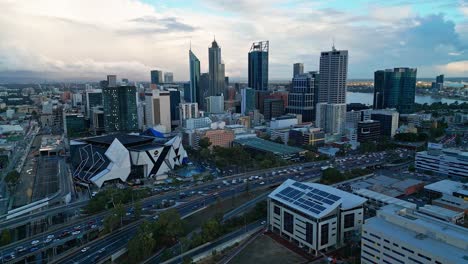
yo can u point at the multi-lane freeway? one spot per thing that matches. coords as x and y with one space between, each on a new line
205 194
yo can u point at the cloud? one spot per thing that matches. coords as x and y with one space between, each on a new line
458 68
90 38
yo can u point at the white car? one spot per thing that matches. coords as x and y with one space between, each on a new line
76 233
262 183
35 242
84 249
50 237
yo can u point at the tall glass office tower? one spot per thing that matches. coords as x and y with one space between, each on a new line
216 70
395 88
194 91
120 109
258 66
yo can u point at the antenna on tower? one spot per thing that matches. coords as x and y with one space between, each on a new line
190 43
333 43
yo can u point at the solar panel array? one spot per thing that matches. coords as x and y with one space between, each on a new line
308 198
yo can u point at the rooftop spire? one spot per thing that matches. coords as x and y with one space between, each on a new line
333 44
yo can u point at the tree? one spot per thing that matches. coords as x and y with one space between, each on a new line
12 179
204 143
110 223
138 209
168 227
211 230
142 245
278 140
5 238
331 176
119 212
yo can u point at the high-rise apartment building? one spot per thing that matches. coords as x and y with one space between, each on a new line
158 109
248 100
331 118
298 69
216 70
333 76
395 88
258 66
440 79
120 108
215 104
194 91
156 77
332 91
302 96
168 77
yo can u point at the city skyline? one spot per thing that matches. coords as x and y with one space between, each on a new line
83 40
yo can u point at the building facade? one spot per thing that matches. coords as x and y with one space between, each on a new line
298 69
395 88
188 110
368 130
120 108
449 162
158 109
302 98
273 108
168 77
316 217
216 70
258 66
388 121
247 100
156 77
331 118
403 235
194 91
214 104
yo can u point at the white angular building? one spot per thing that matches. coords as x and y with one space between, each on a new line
122 157
314 216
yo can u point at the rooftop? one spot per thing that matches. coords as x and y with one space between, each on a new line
125 139
268 146
383 198
445 186
316 200
438 211
442 239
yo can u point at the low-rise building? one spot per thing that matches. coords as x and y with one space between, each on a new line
452 203
449 162
258 145
315 217
403 235
307 136
368 130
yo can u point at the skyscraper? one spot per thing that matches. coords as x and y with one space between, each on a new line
298 68
156 77
440 79
395 88
120 108
248 100
174 95
216 70
332 91
168 77
204 85
333 75
111 81
194 91
258 65
93 98
302 96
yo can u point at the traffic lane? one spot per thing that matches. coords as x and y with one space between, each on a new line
183 209
228 191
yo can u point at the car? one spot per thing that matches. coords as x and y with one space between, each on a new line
20 249
9 257
74 233
48 240
33 249
50 236
262 183
84 249
263 222
35 242
102 250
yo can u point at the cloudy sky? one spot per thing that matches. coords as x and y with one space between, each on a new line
88 39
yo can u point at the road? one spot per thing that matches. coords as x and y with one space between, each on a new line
122 237
216 186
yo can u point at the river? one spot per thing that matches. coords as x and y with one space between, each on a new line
368 98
